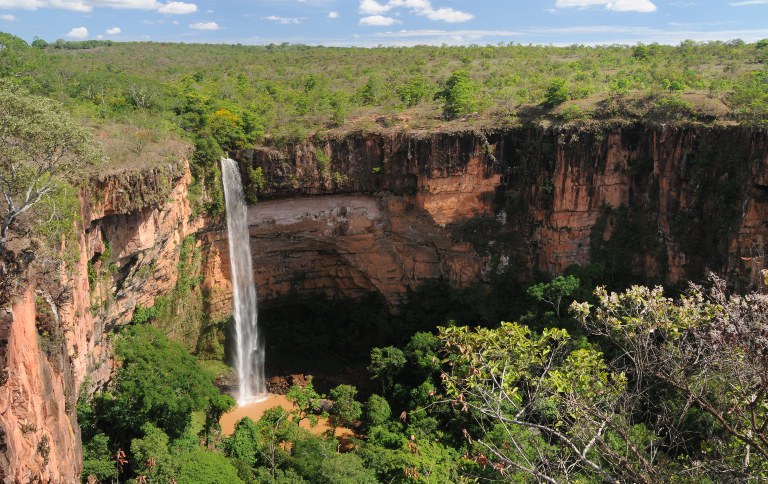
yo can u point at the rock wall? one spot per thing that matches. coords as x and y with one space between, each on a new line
40 440
649 204
40 437
342 246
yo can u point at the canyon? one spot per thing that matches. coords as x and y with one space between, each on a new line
351 214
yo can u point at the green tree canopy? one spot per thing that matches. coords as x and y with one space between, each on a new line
41 148
461 95
159 382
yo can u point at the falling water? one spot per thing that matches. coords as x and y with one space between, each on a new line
250 348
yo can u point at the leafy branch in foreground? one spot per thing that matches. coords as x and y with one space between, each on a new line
708 349
681 392
543 408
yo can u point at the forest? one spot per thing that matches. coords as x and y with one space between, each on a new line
557 378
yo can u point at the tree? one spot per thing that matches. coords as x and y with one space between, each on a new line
553 292
15 56
708 349
345 408
39 43
305 401
460 95
151 457
543 410
386 363
377 411
40 149
204 467
243 444
556 93
262 443
159 382
97 460
218 406
414 91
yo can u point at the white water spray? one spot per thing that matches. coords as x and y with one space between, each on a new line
250 348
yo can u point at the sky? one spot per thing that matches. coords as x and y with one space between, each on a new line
370 23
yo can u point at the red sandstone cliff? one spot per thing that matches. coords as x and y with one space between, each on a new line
40 439
676 202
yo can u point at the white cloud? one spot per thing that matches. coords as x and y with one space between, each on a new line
333 14
114 31
378 20
422 8
446 15
89 5
615 5
177 8
9 18
78 33
205 26
283 20
372 7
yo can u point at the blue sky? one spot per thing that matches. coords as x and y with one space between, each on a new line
388 22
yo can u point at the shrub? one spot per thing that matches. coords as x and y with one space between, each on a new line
414 91
557 92
460 95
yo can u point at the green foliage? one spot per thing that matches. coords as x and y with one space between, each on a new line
414 91
159 382
16 58
205 194
305 401
323 162
39 43
377 411
142 315
531 382
751 96
370 92
316 460
151 455
257 183
204 467
386 363
80 44
554 291
346 410
42 151
557 92
219 405
97 460
461 95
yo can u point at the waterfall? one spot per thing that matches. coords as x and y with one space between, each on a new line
250 348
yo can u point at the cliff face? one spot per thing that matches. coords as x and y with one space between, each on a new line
40 440
665 204
341 245
128 256
128 250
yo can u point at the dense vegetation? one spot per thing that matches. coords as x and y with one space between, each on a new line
644 388
222 97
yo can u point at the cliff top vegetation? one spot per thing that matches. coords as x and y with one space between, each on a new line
141 96
288 91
